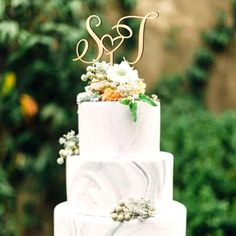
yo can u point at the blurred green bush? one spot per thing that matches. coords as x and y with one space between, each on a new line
220 36
205 164
38 87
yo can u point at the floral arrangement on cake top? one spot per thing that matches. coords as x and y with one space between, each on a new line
118 82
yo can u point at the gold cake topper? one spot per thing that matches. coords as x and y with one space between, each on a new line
115 42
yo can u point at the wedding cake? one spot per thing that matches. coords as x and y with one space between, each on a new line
118 181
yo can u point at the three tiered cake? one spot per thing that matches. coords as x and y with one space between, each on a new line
120 163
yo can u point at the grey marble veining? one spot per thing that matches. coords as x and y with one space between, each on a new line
96 186
170 220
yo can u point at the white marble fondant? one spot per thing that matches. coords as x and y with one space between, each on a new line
170 220
96 186
106 129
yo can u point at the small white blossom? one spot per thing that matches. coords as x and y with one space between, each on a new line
89 68
62 140
102 66
76 151
62 152
69 135
155 97
84 77
89 74
60 160
71 144
100 76
68 152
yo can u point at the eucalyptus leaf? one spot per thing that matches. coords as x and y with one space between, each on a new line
133 109
147 99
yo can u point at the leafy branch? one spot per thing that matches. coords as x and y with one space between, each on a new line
133 105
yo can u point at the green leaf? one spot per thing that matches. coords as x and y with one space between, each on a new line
17 3
41 163
9 30
133 109
6 189
147 99
125 101
2 9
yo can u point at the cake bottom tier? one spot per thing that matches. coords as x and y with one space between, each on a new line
170 220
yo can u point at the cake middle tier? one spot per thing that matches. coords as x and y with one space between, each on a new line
96 186
106 128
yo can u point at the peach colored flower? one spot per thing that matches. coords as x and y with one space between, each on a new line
100 86
111 94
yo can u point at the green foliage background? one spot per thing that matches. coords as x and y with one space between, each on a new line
37 41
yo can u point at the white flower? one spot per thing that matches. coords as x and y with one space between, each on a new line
84 77
70 134
60 160
102 66
68 152
100 76
62 152
89 74
62 140
89 68
87 89
71 144
76 151
154 97
122 73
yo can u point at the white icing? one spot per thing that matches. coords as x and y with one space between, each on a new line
170 220
106 129
118 158
95 186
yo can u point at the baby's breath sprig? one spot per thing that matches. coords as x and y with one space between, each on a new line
95 72
70 142
140 209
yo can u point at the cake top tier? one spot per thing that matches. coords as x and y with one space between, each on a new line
105 129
